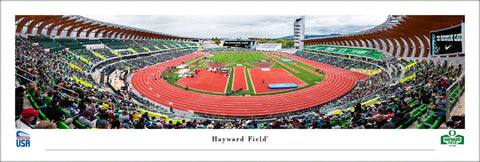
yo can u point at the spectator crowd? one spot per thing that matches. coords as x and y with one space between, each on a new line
54 91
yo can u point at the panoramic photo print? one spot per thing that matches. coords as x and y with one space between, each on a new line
250 72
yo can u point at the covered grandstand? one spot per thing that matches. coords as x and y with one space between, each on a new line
402 36
78 26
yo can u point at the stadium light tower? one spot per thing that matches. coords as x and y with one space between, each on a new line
299 32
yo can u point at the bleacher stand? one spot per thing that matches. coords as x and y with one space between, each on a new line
269 46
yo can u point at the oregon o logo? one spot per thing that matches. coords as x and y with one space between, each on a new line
452 133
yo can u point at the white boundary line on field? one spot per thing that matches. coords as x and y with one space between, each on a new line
226 85
233 80
248 70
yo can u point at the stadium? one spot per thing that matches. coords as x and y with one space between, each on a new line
74 72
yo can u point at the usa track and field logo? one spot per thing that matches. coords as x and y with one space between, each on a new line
23 139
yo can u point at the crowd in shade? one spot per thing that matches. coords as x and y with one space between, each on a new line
337 61
151 44
356 64
104 52
87 54
404 62
139 63
125 52
49 81
134 45
70 57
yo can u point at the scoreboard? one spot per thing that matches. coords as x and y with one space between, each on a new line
447 41
242 44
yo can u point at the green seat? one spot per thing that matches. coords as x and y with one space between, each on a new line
453 102
62 125
79 125
261 126
409 102
42 116
408 122
413 103
454 92
429 119
427 123
418 114
436 124
422 126
35 106
415 111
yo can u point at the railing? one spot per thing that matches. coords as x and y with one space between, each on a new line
29 80
453 93
69 90
19 68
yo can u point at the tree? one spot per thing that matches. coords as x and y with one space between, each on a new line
289 44
283 42
217 41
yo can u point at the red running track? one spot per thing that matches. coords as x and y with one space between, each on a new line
206 81
337 82
239 79
274 76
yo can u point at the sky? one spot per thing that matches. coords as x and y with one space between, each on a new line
244 26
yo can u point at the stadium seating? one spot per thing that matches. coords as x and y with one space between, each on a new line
67 65
134 45
72 44
104 52
89 41
114 44
369 53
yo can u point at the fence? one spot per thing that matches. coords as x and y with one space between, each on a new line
453 94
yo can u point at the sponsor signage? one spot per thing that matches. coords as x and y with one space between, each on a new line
447 41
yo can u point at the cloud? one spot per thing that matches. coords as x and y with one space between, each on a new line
233 26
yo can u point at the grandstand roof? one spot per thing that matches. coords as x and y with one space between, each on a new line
79 24
400 35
